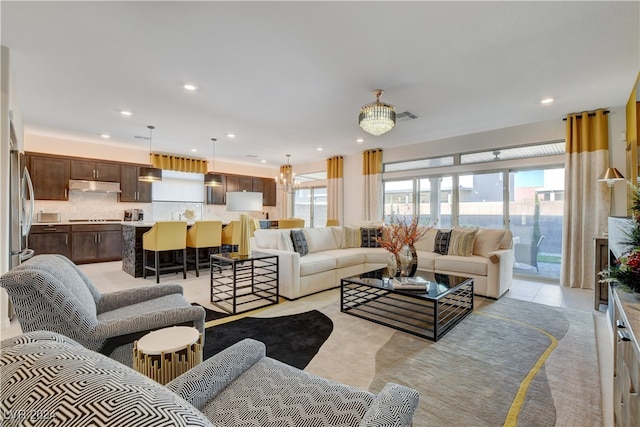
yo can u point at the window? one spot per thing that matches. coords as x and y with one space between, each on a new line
311 205
481 200
435 201
528 202
536 206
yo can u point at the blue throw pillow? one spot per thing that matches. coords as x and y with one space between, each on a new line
299 242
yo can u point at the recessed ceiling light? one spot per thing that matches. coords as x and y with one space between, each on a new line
105 135
194 150
190 86
263 161
359 140
231 135
125 113
319 149
546 101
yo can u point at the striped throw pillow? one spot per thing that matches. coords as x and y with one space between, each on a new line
461 242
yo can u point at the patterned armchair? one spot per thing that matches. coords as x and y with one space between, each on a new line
50 293
236 387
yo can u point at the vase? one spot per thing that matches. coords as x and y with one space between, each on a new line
393 265
408 261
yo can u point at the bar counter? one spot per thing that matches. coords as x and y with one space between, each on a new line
132 246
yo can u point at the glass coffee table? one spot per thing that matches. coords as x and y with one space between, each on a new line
438 304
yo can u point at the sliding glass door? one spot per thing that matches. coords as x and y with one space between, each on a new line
536 205
310 204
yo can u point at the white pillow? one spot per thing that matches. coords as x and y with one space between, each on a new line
267 238
319 239
284 242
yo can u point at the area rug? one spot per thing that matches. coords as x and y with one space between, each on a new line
294 339
510 363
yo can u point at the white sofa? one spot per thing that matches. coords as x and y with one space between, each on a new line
336 252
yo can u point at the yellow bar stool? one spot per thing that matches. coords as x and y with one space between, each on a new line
165 236
332 222
291 223
231 233
204 235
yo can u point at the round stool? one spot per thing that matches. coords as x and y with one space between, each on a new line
165 354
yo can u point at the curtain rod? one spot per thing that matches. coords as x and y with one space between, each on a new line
591 114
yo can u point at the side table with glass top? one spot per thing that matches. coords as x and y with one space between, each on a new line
241 283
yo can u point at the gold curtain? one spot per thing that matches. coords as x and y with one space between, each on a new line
181 164
586 205
372 171
335 188
372 161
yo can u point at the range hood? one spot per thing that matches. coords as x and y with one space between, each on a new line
94 186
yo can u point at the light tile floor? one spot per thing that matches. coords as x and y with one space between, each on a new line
109 277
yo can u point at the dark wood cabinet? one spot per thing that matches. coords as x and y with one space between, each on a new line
50 239
50 177
94 171
96 243
269 192
231 183
131 189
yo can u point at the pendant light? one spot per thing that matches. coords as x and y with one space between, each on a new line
212 179
150 174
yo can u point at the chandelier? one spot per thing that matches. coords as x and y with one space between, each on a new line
377 118
286 180
150 174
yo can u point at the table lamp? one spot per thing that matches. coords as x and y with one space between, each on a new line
244 201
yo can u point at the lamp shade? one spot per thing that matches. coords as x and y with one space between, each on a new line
611 174
244 201
150 174
212 179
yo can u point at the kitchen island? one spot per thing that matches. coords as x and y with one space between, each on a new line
132 247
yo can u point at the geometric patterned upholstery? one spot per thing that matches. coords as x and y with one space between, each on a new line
48 379
55 381
50 293
261 391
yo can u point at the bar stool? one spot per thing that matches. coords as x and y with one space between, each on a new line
204 235
291 223
332 222
165 236
231 233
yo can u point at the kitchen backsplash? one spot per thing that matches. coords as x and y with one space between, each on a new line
86 205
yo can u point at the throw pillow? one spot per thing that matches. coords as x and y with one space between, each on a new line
285 243
351 237
441 245
369 236
299 242
488 240
461 242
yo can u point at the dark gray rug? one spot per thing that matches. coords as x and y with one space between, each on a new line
510 363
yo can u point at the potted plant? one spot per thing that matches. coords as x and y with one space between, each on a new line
399 237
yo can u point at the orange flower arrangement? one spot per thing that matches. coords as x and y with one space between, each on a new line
400 233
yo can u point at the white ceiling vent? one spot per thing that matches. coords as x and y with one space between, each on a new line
405 116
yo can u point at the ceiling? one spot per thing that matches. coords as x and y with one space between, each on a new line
290 77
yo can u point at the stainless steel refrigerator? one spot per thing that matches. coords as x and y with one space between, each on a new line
22 205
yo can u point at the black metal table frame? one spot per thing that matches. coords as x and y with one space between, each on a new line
429 317
240 280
